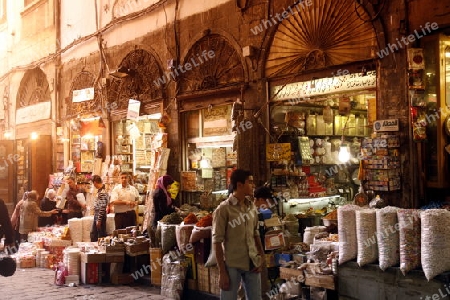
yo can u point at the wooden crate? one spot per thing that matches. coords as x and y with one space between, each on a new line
202 278
292 274
323 281
214 281
155 262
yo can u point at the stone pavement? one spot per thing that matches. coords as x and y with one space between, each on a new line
37 283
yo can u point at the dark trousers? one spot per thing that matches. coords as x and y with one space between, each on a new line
123 220
97 233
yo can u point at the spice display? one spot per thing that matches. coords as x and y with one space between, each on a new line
347 232
168 236
409 226
190 219
183 234
173 218
206 221
387 237
366 224
435 242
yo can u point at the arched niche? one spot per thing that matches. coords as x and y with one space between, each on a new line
215 64
143 70
83 80
324 34
34 88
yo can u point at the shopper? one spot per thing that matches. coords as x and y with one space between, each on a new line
235 226
48 203
101 202
29 212
124 198
15 217
162 201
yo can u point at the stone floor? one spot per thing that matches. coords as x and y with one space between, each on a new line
37 283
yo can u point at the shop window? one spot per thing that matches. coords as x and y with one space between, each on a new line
209 156
312 125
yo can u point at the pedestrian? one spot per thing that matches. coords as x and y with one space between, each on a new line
6 229
101 202
124 198
29 213
48 203
15 218
235 226
162 201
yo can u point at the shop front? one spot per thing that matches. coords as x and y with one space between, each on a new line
33 134
210 95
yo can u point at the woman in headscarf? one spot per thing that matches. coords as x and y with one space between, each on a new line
162 202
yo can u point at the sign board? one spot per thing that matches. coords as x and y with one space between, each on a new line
386 125
298 91
33 113
83 95
133 109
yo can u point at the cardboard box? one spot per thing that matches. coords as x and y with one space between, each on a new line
89 273
92 257
192 266
282 258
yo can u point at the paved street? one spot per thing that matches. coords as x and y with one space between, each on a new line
37 283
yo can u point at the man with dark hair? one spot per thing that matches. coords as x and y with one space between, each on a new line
74 206
101 202
235 227
124 198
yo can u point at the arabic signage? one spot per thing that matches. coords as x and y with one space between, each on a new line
133 109
83 95
386 125
344 83
33 113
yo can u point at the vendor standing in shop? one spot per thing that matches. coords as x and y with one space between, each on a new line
75 200
101 202
124 198
235 226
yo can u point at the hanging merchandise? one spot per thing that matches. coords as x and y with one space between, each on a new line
360 198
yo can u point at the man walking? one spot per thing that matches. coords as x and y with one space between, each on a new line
236 240
101 202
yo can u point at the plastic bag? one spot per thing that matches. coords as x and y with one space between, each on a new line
183 234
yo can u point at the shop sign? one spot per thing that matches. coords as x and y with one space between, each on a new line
133 109
386 125
337 84
33 113
83 95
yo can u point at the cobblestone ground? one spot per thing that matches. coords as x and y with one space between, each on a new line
37 283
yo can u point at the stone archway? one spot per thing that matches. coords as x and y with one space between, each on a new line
328 33
82 81
143 71
34 88
215 64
